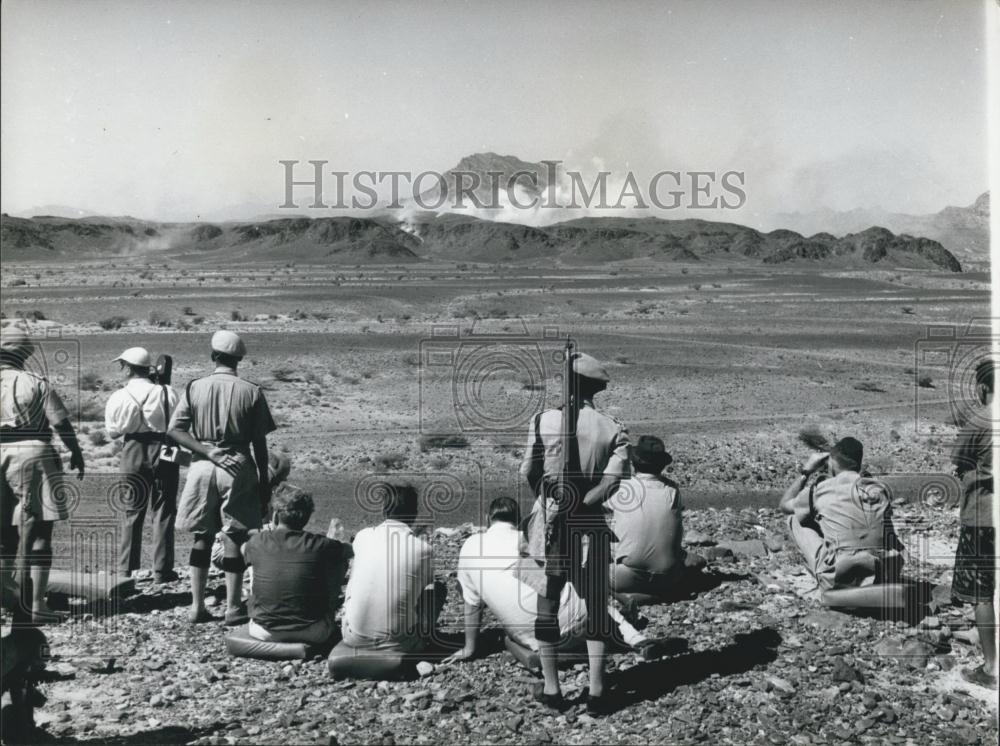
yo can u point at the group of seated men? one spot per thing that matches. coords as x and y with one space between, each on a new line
391 602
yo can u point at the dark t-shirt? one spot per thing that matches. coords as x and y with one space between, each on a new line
297 577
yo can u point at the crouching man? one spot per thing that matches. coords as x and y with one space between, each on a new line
646 519
392 600
492 574
298 576
842 523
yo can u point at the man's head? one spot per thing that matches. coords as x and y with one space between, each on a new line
591 377
15 345
227 348
847 454
503 510
135 360
293 507
649 455
985 380
400 502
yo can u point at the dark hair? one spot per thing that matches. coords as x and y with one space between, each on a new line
587 387
503 509
137 370
849 453
292 506
399 501
230 361
985 374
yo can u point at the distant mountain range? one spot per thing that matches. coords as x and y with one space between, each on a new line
386 236
461 238
964 231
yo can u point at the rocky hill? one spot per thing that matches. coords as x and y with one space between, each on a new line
456 237
964 231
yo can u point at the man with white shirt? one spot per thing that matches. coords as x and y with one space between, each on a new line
492 573
138 413
392 601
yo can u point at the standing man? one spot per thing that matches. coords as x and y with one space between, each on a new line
221 418
139 413
30 410
601 443
975 559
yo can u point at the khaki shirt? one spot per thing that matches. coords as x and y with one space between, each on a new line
29 406
602 440
646 519
850 511
223 409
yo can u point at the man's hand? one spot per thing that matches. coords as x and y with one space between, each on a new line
76 462
814 462
459 655
225 459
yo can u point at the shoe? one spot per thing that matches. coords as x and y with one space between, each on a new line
599 706
652 650
166 577
201 616
552 701
979 677
237 616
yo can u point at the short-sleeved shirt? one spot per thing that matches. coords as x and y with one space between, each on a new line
392 566
850 510
296 576
223 409
139 406
602 441
29 406
490 572
972 456
646 519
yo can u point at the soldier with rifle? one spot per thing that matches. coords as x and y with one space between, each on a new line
575 457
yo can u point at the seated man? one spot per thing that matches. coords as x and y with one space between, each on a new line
297 575
645 516
392 600
492 573
842 523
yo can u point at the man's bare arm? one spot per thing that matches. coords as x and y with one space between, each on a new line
473 617
68 436
599 494
185 439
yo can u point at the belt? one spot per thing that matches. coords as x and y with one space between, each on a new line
146 438
649 574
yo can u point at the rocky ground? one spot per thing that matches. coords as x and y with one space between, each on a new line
755 660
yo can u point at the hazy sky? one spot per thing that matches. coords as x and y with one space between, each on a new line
176 109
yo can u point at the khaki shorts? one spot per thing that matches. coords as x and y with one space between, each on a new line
31 481
214 500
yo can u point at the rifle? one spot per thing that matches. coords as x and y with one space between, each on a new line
570 467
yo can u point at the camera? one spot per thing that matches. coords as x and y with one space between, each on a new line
474 381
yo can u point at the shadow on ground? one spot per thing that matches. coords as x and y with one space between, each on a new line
650 681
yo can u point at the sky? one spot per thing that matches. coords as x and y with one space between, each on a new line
180 110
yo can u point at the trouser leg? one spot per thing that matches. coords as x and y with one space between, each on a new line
164 514
135 489
809 542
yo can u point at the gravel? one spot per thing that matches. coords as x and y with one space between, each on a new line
763 663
